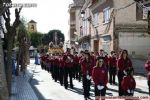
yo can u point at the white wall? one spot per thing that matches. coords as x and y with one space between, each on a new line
135 42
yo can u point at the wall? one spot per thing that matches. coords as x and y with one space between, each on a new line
128 15
135 42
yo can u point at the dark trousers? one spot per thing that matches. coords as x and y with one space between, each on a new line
148 81
42 65
100 92
120 77
112 74
80 73
52 70
61 75
76 71
86 86
49 68
56 73
68 72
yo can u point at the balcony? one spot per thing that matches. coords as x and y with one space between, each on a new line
84 38
72 22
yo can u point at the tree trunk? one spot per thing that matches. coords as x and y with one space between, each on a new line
9 62
3 84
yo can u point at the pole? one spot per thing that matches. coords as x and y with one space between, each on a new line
148 18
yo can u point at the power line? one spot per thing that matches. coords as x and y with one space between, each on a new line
125 6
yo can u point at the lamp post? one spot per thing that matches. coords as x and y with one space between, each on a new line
148 22
82 13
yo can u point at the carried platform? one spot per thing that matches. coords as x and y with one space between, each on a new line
53 49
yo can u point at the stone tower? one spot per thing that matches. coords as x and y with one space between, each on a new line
32 26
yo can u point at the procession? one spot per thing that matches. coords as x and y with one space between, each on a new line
89 68
75 50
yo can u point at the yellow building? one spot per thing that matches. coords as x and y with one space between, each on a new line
32 26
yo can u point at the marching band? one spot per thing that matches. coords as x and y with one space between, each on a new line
90 67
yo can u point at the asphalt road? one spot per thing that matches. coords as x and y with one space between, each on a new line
47 89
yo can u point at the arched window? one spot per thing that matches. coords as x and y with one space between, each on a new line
32 27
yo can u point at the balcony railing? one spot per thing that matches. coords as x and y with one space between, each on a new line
72 22
84 37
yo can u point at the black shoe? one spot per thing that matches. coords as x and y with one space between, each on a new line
61 84
85 99
71 87
115 83
66 87
89 98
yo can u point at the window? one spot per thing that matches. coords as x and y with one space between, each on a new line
32 27
81 31
96 17
106 16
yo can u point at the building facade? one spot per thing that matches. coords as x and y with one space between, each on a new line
74 23
112 25
85 27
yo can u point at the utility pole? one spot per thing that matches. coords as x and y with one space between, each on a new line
148 18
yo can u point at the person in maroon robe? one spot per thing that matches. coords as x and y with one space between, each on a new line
128 83
123 63
86 69
112 61
100 78
68 60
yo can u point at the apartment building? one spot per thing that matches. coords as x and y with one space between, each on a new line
85 27
74 22
113 26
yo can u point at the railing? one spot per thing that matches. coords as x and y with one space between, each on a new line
72 22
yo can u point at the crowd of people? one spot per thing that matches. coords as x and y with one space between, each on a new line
88 67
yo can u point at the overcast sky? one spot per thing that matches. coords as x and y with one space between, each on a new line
49 14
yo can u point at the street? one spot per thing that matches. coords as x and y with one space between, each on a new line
47 89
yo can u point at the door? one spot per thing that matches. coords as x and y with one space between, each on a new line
96 45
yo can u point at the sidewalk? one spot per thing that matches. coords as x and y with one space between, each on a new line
21 89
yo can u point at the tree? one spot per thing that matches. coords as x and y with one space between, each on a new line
4 95
3 84
9 38
36 38
24 44
52 36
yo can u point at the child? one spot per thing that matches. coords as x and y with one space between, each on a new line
128 83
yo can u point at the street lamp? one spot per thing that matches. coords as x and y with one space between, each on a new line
82 13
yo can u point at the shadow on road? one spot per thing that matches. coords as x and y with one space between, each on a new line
76 90
140 91
34 82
